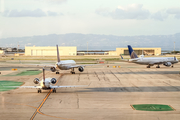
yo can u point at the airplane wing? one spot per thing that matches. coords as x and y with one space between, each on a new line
157 62
152 63
25 86
31 65
71 86
76 66
38 65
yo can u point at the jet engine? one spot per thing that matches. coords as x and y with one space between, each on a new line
53 69
81 69
53 80
36 80
167 64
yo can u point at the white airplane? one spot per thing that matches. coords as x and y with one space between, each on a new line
61 65
46 84
65 65
150 61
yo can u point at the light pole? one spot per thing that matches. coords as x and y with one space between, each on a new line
17 47
87 48
174 47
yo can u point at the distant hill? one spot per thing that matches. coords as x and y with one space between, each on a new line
95 42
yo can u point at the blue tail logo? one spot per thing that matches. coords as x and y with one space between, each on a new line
121 56
132 53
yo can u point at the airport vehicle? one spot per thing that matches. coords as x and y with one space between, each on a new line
150 61
46 84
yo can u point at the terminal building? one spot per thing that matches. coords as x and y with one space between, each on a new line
50 51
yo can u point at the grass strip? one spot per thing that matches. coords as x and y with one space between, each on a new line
4 85
153 107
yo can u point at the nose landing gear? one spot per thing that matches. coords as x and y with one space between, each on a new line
54 90
72 71
39 90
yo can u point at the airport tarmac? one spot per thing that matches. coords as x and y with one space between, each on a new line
109 94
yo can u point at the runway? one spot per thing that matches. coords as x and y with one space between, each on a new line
109 94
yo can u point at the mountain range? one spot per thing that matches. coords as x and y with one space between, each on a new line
95 41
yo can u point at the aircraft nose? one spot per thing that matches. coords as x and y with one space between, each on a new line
177 60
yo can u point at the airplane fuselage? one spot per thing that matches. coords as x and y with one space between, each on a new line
46 84
65 64
154 60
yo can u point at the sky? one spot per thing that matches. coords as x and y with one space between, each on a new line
19 18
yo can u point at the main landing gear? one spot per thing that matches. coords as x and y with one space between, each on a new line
172 65
72 72
158 66
57 72
39 90
148 66
54 90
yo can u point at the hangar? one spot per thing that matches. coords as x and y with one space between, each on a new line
138 51
72 51
50 51
146 51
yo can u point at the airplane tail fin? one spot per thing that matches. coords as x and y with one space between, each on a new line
43 76
58 58
121 56
132 53
175 59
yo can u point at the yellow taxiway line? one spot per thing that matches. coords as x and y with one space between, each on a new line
44 100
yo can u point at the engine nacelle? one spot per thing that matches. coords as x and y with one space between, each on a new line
167 64
53 80
81 69
53 69
36 81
